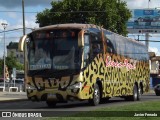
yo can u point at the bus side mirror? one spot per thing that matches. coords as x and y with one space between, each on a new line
21 43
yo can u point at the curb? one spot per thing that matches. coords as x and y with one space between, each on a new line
13 100
8 94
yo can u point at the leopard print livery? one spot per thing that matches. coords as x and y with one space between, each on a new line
114 81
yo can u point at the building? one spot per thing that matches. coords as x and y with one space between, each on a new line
154 69
12 48
154 63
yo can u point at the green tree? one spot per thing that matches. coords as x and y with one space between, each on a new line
111 14
11 62
1 67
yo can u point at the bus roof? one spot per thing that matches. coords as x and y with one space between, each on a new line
68 25
129 39
81 26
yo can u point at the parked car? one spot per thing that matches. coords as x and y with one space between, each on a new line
18 83
157 89
1 79
1 82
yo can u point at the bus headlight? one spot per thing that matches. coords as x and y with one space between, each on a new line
30 87
75 86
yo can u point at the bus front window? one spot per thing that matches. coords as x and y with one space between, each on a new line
54 50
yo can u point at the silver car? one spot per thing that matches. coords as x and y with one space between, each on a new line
18 83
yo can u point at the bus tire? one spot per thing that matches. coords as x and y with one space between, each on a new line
133 97
139 93
157 94
96 96
51 104
135 93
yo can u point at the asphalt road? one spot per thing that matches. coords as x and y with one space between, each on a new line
64 109
71 106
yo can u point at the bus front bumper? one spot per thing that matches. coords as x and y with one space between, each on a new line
54 95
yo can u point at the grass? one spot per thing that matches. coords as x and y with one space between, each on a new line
121 112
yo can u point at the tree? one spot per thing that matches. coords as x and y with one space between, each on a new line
111 14
11 62
1 67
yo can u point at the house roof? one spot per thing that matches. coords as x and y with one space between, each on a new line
156 58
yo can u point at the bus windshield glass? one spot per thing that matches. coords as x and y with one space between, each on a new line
53 50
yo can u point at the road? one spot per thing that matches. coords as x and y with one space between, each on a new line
40 108
71 106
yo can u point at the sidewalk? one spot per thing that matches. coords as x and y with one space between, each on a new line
12 96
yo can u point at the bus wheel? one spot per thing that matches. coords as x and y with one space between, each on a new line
139 93
133 97
96 96
135 93
51 104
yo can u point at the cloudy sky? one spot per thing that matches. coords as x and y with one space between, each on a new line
10 13
143 4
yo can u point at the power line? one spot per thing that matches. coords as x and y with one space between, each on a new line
150 40
59 11
17 12
12 37
16 29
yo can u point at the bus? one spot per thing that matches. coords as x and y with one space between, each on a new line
67 62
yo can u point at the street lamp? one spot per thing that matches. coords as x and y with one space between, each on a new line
4 26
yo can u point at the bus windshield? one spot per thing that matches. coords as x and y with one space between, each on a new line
53 50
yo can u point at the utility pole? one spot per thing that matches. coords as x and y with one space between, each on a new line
23 17
138 37
4 67
24 32
147 40
148 3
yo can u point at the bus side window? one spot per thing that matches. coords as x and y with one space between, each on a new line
110 48
96 45
96 48
86 49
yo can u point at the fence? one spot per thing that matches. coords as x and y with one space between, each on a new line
11 87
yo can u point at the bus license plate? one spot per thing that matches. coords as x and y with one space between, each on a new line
51 95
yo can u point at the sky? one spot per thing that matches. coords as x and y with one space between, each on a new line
145 4
11 13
